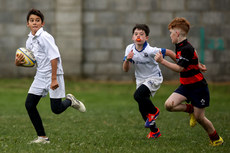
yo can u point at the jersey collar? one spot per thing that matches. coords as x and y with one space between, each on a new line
37 33
144 46
180 44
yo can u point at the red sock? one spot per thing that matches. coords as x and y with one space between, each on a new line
214 136
189 108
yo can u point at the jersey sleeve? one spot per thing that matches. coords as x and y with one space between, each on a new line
28 43
163 51
52 49
127 50
157 50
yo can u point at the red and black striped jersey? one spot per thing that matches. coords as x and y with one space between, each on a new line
187 58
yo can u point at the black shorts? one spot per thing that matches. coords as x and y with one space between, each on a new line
199 97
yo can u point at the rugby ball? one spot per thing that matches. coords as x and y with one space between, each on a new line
29 57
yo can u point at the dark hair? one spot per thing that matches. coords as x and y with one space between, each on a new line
35 12
143 27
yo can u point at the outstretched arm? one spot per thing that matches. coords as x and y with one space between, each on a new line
159 58
171 54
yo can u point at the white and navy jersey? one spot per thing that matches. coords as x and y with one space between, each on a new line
144 62
43 46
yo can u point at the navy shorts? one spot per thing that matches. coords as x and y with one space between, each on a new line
199 97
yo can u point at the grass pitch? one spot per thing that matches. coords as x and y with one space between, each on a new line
112 123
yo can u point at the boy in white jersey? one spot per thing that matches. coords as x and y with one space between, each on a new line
148 74
49 75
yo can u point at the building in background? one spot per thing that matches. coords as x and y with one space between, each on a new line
92 34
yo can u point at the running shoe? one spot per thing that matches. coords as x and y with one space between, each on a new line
151 119
218 142
77 104
192 121
40 140
154 135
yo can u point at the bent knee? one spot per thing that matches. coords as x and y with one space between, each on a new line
169 105
137 96
56 111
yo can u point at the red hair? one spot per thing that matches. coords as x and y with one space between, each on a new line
181 23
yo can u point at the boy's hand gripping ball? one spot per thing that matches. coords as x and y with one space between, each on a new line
29 60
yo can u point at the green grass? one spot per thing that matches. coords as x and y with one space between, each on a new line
111 124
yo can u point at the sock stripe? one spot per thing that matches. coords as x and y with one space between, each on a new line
214 136
189 108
